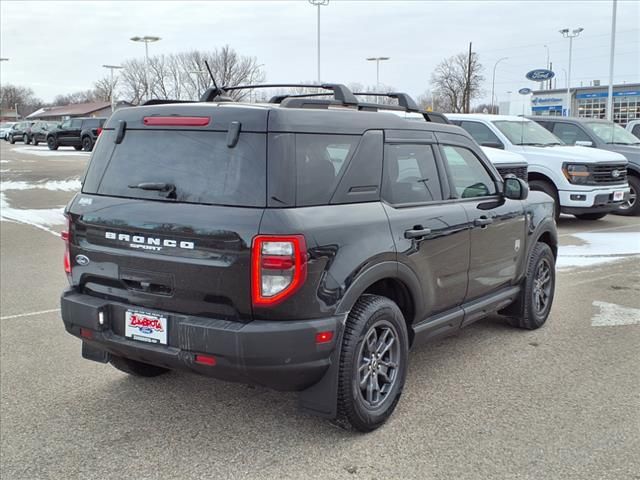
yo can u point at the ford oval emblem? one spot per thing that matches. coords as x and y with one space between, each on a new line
615 173
82 260
540 75
524 91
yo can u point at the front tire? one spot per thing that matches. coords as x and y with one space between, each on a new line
52 143
12 140
590 216
373 363
536 298
631 207
135 368
25 139
549 189
35 141
77 147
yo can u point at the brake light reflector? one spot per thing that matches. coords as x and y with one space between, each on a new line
208 360
176 121
86 333
324 337
67 256
278 267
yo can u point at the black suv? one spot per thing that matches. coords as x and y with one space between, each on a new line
39 130
304 244
79 133
20 132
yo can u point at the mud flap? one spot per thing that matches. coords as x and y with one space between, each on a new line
321 398
96 354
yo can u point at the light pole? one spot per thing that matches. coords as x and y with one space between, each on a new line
611 57
493 82
548 67
378 60
570 34
113 86
319 3
146 39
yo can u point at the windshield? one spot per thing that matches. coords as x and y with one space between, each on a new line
527 133
610 132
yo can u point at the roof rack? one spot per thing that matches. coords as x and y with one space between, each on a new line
404 99
341 93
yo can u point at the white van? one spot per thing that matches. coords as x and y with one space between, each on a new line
584 182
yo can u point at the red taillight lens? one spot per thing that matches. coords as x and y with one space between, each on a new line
324 337
278 267
176 121
208 360
99 130
67 255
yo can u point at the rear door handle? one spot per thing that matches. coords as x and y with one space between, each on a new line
482 221
417 232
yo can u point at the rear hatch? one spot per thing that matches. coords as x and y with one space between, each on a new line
169 205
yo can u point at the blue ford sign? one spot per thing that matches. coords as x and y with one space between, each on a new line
540 75
524 91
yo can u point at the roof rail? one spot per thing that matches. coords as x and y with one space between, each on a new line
340 92
404 99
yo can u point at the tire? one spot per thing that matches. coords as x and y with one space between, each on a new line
528 313
87 144
77 147
631 207
549 189
372 319
35 141
135 368
52 143
25 139
590 216
12 140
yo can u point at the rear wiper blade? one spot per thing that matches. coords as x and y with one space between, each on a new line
158 187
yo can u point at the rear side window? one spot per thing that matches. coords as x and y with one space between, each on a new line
198 164
320 162
410 174
92 123
569 133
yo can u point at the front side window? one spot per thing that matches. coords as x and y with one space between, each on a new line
569 133
612 133
410 175
66 124
526 132
470 177
480 133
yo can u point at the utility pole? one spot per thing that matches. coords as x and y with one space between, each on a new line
468 89
611 59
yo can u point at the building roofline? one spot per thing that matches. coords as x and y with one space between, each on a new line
632 86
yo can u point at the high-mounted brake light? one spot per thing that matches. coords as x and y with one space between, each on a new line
278 267
176 121
67 256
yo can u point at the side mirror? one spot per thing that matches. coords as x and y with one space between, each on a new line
493 145
584 143
515 188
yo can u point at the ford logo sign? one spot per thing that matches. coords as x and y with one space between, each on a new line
525 91
540 75
615 173
82 260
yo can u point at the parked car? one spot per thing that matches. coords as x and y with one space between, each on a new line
589 132
79 133
39 131
584 182
634 127
19 132
4 129
296 246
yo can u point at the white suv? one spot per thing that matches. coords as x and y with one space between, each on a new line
584 182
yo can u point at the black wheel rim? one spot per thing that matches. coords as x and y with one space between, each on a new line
542 284
86 143
378 364
633 196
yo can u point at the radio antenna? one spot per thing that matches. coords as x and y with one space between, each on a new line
211 75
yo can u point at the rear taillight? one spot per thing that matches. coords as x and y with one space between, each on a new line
99 131
278 267
67 255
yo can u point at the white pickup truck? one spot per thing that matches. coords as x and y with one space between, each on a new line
584 182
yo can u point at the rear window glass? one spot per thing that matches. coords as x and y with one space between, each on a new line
198 164
320 162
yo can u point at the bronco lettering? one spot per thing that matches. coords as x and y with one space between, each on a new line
149 243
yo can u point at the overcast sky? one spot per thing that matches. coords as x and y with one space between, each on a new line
58 47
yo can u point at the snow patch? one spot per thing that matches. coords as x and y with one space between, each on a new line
72 185
42 218
4 161
599 248
45 152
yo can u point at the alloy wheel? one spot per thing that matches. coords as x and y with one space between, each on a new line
542 287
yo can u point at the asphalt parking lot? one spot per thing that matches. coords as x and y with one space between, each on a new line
492 402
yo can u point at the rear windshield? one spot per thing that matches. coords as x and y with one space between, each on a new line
196 167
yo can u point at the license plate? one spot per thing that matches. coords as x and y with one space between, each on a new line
618 196
145 327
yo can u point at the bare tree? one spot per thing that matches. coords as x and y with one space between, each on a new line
22 97
104 88
83 96
431 102
450 81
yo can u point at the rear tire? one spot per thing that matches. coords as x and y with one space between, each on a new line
35 141
549 189
52 143
77 147
631 207
87 144
12 140
532 308
373 363
590 216
135 368
25 139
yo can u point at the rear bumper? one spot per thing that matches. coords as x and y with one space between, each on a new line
591 201
278 354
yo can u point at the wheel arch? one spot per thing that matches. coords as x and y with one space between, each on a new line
541 177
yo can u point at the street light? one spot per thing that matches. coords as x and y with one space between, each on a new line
493 82
147 39
548 67
611 57
113 87
378 60
570 34
319 3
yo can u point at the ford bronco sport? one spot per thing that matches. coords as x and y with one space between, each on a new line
302 244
